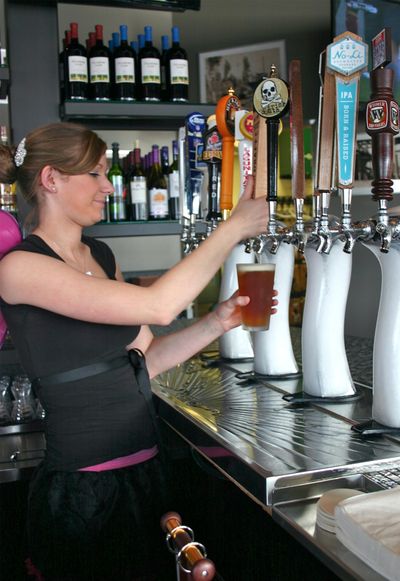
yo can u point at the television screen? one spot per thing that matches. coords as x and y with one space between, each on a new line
367 18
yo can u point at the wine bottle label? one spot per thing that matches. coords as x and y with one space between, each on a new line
124 70
158 202
138 190
117 182
99 70
150 70
77 69
179 72
173 184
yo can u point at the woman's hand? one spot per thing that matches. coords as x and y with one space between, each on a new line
251 215
228 312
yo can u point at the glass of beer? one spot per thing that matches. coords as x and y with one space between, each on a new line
257 282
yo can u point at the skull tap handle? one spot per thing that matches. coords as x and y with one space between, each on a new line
271 101
225 116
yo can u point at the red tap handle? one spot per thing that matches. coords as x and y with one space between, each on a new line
382 118
296 131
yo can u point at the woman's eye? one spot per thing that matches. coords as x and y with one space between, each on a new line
94 174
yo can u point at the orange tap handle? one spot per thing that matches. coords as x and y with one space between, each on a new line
225 117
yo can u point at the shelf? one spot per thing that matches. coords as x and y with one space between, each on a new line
117 229
138 115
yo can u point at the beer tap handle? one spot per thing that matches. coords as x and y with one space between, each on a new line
346 57
212 155
297 149
382 120
271 101
225 116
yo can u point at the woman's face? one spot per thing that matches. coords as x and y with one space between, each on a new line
83 196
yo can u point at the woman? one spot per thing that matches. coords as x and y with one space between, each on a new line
80 332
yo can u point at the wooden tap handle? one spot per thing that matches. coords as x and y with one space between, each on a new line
272 157
382 118
296 131
326 135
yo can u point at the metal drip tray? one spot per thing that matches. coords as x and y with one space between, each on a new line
274 450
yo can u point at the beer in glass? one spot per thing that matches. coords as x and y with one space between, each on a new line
257 282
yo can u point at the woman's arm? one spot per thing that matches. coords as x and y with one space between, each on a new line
167 351
53 285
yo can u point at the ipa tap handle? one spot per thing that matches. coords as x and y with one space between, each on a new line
225 116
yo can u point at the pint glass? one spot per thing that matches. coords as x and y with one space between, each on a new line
257 282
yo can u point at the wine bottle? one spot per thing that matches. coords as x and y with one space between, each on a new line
62 64
99 63
163 66
76 73
158 191
149 58
177 70
118 197
124 64
165 161
138 188
173 184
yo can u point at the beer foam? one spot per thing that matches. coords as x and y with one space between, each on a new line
255 267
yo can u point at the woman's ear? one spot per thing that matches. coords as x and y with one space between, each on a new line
47 179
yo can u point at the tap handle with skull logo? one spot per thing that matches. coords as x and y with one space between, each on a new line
225 116
271 101
382 117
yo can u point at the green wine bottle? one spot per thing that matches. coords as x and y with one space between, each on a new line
118 197
158 189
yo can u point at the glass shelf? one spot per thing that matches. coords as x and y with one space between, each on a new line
136 115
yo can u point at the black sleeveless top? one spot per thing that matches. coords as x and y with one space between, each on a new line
94 419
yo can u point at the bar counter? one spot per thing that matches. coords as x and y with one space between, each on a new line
282 455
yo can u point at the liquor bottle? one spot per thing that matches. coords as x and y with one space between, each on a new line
177 70
90 41
124 65
149 58
173 184
163 65
118 197
116 39
158 191
99 64
138 188
76 68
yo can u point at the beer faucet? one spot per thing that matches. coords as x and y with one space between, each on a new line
382 120
271 101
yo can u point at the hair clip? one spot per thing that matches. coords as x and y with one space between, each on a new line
20 153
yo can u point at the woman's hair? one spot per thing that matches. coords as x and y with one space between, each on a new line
67 147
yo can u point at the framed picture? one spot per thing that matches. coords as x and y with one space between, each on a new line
242 68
